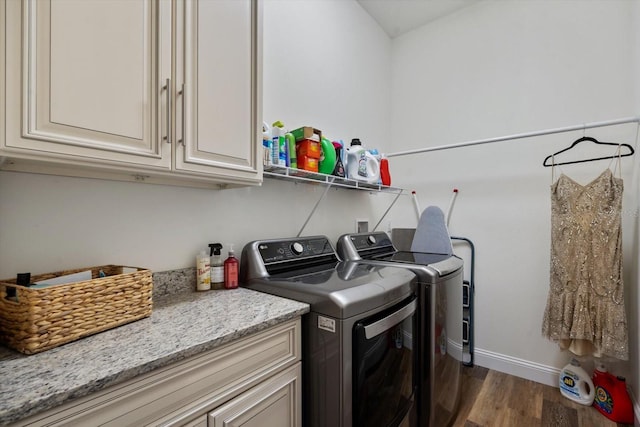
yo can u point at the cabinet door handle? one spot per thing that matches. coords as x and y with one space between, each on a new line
184 114
167 87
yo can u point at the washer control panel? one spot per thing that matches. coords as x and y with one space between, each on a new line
278 251
266 258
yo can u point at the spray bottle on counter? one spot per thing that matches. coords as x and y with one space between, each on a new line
575 384
203 272
217 266
231 270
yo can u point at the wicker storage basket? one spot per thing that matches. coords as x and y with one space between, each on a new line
33 320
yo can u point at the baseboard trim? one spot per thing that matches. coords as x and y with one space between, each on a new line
531 371
518 367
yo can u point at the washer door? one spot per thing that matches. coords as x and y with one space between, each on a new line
384 367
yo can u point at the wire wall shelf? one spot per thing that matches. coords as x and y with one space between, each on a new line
292 174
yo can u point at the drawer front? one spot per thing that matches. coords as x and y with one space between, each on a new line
182 392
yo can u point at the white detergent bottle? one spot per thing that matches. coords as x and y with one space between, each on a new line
361 164
576 384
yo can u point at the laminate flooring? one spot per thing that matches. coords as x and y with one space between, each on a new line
494 399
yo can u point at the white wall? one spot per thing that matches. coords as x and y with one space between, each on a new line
499 68
492 69
327 65
321 61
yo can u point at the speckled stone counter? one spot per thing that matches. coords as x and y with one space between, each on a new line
181 325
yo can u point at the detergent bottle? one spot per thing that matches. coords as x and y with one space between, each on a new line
361 164
575 384
611 396
374 152
280 148
267 144
328 157
385 175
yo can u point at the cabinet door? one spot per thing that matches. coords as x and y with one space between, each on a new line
85 80
219 101
274 403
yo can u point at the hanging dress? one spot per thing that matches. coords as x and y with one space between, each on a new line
585 306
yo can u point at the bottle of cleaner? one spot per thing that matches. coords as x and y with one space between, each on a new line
374 152
267 144
328 157
292 162
385 176
217 266
231 270
575 384
203 272
339 170
280 149
612 397
361 164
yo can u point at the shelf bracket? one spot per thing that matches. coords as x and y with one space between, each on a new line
324 193
299 175
387 211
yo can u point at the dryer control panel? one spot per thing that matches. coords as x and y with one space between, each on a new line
364 245
364 241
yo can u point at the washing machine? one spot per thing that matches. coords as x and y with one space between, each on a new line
439 332
359 365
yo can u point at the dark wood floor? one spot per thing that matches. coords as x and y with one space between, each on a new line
491 398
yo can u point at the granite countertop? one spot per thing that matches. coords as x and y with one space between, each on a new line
180 326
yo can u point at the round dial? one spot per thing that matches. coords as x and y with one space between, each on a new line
371 239
297 248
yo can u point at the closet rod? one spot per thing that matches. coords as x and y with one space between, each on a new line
520 136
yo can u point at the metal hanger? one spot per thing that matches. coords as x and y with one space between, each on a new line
588 138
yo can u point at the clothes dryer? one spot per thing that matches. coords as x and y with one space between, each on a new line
439 334
359 369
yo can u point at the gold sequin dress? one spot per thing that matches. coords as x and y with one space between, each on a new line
585 305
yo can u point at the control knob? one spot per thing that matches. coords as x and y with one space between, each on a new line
297 248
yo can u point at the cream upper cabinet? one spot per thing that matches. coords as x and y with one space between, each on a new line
218 77
153 90
85 80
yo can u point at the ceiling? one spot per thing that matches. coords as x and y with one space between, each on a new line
397 17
